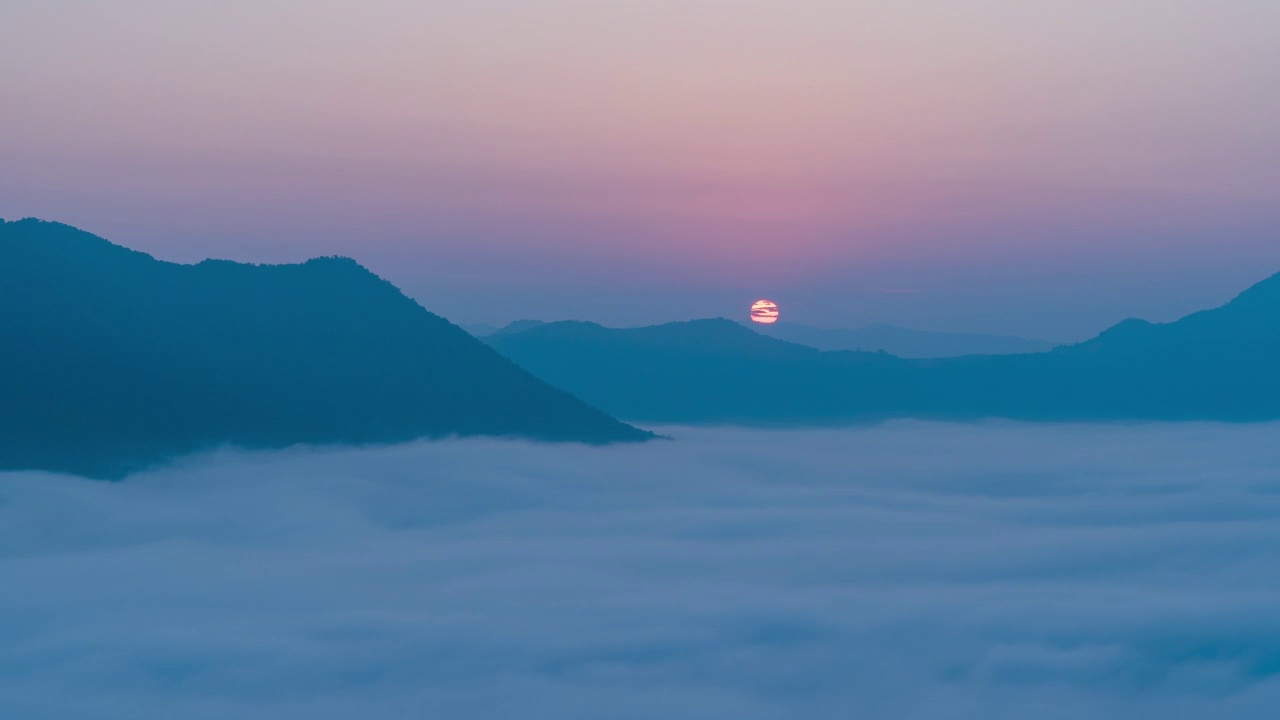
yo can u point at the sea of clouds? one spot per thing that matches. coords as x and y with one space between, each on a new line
909 570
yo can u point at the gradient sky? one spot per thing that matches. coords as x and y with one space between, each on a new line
1042 168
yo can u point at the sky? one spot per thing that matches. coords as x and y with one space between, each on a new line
1041 168
897 571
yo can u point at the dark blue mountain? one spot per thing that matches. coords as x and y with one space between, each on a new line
112 360
1215 365
895 340
706 371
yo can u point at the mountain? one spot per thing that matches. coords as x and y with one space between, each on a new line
1215 365
114 360
702 371
900 341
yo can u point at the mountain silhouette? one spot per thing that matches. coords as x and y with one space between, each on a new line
704 371
1216 364
901 341
1219 364
895 340
114 360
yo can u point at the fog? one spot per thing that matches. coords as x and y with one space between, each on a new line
909 570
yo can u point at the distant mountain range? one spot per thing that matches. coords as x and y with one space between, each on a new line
483 330
479 329
508 329
900 341
1221 364
113 360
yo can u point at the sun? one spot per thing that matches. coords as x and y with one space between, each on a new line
764 312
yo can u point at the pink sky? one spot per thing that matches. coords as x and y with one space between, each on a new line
1035 167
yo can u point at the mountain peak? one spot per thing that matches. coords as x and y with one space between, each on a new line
129 360
34 238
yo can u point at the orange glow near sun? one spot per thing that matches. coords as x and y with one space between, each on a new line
764 312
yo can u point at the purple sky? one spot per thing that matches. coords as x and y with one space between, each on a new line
1041 168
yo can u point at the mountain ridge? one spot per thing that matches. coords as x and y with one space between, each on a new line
1216 364
128 360
901 341
893 339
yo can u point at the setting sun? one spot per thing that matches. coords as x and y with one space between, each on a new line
764 312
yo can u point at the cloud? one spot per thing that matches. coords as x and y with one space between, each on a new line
910 570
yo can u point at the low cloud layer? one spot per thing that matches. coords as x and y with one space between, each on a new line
910 570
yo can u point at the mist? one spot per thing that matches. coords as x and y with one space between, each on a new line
908 570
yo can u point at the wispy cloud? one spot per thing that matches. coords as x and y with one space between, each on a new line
903 571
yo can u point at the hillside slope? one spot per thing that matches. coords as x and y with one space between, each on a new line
113 360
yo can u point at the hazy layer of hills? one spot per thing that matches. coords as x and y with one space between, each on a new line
1221 364
895 340
112 360
482 330
901 341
